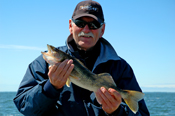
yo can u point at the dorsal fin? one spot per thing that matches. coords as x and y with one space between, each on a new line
107 77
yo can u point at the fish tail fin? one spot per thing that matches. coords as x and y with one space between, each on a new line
132 99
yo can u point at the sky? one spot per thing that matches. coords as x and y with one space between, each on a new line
141 31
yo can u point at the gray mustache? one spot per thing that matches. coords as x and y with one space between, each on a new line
86 34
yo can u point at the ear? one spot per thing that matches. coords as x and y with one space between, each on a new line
70 26
102 30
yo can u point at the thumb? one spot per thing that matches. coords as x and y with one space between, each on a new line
50 67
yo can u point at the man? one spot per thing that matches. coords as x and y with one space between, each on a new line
43 90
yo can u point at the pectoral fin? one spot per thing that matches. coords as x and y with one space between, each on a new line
73 76
68 82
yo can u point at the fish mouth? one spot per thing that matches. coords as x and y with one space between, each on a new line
50 48
49 56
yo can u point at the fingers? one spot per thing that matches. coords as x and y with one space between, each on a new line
110 99
115 94
68 69
63 68
104 96
59 73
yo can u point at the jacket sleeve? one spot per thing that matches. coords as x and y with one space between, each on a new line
33 97
126 80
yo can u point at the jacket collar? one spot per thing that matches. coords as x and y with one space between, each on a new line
107 51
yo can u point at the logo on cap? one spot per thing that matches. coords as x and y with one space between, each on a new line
89 7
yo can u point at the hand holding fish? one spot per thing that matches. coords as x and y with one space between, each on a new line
82 77
59 72
109 99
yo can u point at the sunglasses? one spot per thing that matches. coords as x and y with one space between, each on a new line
91 25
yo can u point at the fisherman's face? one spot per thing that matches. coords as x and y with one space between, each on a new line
82 40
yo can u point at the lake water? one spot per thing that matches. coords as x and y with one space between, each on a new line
159 104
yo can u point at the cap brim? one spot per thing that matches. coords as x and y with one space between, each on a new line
88 15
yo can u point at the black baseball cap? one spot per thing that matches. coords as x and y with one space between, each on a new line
89 8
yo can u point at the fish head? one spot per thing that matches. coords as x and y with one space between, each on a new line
52 56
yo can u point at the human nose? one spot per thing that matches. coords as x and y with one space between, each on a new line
86 29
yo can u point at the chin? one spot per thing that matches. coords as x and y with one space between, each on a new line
84 47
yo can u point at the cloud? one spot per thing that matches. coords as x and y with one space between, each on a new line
21 47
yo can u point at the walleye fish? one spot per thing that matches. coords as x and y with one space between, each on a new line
84 78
